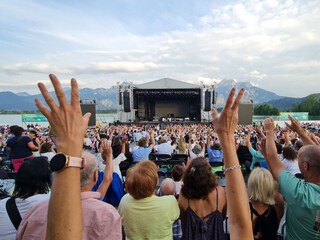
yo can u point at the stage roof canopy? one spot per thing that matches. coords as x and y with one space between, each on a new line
166 83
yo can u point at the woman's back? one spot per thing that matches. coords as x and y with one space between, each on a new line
264 221
203 218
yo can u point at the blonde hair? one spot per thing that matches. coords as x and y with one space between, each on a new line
261 186
244 141
182 145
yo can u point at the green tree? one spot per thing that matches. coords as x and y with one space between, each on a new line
311 104
265 109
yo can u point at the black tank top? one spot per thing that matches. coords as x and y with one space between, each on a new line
266 224
208 227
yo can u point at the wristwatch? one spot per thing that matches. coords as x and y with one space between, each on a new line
61 161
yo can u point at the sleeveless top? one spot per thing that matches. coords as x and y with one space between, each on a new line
208 227
266 224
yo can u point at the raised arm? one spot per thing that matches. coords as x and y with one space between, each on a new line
153 143
296 127
208 136
269 150
248 142
68 127
108 171
238 207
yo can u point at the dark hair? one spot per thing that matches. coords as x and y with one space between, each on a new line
33 177
198 180
17 131
45 147
289 153
142 142
177 172
116 146
33 132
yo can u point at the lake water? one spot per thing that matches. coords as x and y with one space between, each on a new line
105 119
16 119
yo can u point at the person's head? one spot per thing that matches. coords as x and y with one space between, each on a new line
197 149
116 146
33 177
216 146
33 134
198 180
17 131
244 141
282 141
261 186
167 187
142 142
46 147
289 153
297 145
177 172
89 174
309 164
142 179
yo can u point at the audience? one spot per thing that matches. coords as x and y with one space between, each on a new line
168 187
143 151
100 220
145 215
301 196
202 202
32 185
290 160
177 173
20 147
264 215
46 150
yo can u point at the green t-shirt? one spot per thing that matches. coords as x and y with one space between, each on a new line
303 207
149 218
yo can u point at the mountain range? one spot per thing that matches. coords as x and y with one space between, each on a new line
106 97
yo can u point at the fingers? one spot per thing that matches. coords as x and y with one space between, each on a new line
214 114
86 119
47 97
75 95
42 108
230 98
59 91
238 98
287 125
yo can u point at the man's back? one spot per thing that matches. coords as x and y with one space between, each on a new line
100 220
303 212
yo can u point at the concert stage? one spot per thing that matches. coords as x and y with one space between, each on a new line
165 101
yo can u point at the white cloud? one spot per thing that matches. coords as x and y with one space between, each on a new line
231 41
257 75
34 68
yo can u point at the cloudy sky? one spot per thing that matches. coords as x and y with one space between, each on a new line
274 44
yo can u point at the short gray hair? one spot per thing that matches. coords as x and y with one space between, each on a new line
167 187
89 169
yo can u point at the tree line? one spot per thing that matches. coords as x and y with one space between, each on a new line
311 105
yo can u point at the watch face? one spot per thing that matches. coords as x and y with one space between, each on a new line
58 162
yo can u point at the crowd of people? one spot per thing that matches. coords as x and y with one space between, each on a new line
87 201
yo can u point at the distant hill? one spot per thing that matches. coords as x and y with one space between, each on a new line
288 102
106 97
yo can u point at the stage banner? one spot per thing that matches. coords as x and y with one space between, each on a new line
33 118
301 116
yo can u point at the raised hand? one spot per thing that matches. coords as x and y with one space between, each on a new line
295 125
68 126
226 124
